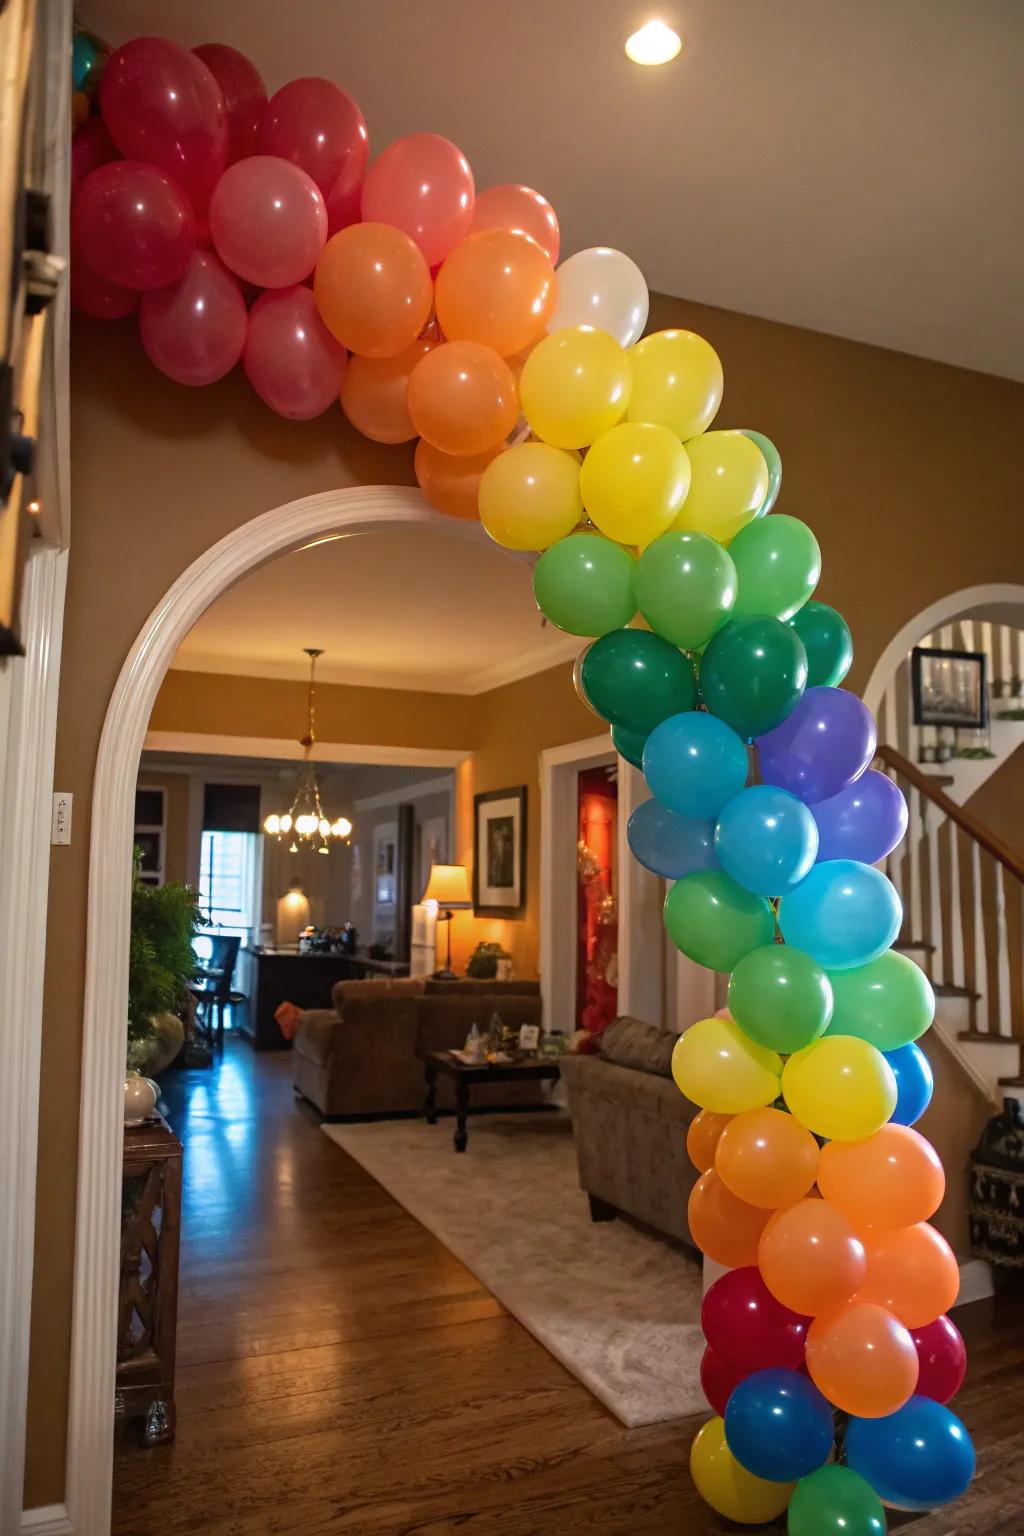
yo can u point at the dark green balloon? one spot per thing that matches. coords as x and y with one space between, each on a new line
685 584
630 745
835 1501
584 584
780 997
753 673
715 921
636 680
778 564
828 643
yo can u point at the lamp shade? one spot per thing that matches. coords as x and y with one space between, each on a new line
448 886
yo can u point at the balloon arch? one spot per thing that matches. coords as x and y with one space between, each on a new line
245 229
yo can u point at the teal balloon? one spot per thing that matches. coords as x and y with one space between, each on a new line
695 764
629 744
86 56
780 997
753 674
685 585
835 1501
844 914
778 564
766 840
774 463
635 679
584 584
715 921
827 641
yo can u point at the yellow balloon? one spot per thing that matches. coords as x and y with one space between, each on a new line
530 496
634 480
840 1087
677 382
575 384
720 1068
729 481
727 1486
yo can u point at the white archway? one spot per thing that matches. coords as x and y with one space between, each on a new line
953 606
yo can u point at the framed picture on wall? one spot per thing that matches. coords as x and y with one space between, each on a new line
949 688
499 852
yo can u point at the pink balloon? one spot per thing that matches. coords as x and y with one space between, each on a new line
268 221
133 225
522 210
194 330
91 147
718 1379
162 105
291 359
317 125
942 1359
245 96
93 295
424 186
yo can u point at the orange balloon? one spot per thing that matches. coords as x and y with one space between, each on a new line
452 484
373 289
725 1228
497 287
891 1179
702 1138
373 393
810 1257
912 1271
767 1158
520 208
863 1359
462 398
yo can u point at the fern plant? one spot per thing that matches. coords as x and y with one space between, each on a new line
161 960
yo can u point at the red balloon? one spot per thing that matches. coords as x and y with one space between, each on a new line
291 359
133 225
941 1358
93 295
161 104
747 1328
245 96
194 330
268 222
91 147
317 125
718 1379
423 185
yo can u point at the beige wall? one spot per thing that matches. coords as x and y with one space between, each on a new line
907 471
175 787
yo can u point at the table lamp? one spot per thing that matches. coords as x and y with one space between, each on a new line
448 887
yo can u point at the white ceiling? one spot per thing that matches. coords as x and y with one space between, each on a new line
409 608
854 166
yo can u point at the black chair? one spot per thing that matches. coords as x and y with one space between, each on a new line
212 988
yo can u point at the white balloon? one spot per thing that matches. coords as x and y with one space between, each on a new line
603 288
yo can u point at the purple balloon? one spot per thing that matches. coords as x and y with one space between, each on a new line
821 747
864 821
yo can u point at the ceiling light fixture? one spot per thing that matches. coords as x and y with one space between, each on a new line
304 819
655 43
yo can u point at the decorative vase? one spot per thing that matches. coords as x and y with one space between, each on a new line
160 1047
139 1098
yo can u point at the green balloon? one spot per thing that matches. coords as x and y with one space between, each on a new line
685 584
629 744
780 998
835 1501
635 679
828 643
888 1002
584 584
753 674
778 564
774 462
715 921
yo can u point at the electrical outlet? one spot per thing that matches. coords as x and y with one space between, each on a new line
60 825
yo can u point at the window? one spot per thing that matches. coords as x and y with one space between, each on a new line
229 883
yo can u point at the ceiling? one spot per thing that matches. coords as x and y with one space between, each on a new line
355 780
406 608
856 168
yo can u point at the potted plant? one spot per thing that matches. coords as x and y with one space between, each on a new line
483 962
161 962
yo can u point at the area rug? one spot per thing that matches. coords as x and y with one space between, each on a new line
616 1305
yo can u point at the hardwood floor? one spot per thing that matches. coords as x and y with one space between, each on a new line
340 1371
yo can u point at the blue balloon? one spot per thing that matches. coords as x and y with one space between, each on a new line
914 1083
844 914
671 846
766 840
779 1426
918 1457
695 763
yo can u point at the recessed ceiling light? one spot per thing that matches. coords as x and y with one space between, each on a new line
655 43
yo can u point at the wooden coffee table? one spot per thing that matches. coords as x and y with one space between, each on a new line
464 1076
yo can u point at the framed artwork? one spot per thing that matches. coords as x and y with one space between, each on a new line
949 688
499 852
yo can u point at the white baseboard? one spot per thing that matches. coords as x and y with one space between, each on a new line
50 1520
975 1281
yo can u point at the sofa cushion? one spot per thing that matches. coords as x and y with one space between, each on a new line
375 986
313 1038
634 1043
474 985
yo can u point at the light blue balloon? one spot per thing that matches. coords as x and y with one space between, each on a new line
766 840
844 914
914 1083
669 845
919 1457
695 764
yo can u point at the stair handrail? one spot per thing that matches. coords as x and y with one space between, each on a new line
962 818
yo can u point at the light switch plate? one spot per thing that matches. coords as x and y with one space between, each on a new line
60 825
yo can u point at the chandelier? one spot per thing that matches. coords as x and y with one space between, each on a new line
304 821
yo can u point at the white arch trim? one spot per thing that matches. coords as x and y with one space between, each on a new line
360 509
953 606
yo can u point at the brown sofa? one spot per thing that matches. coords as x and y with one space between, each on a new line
364 1056
629 1124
